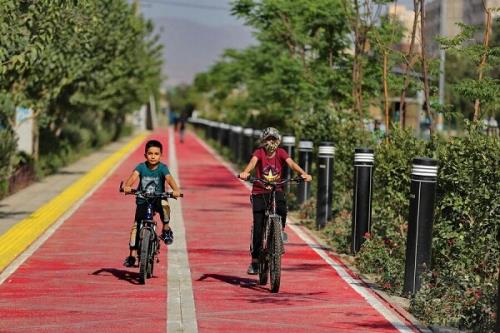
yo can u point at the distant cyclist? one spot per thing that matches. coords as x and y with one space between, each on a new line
152 175
269 161
182 126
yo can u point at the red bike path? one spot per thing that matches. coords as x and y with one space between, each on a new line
75 281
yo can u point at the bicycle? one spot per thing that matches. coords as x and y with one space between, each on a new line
272 243
148 247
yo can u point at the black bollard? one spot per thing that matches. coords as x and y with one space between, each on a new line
256 139
288 142
305 160
215 131
362 197
223 134
247 144
210 126
419 239
326 151
239 144
232 141
206 128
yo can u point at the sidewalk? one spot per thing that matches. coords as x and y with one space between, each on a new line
75 281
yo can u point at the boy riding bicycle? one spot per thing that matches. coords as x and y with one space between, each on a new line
152 175
269 161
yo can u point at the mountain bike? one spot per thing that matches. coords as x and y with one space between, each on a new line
272 243
148 247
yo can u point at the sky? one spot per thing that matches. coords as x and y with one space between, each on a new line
211 12
207 12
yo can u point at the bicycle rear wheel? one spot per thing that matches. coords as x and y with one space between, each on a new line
145 255
275 250
263 270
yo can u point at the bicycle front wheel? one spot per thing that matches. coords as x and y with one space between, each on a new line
275 250
153 251
145 255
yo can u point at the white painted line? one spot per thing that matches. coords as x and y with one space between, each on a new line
355 284
181 312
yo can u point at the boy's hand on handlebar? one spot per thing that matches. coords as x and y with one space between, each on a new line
306 177
176 194
127 189
244 175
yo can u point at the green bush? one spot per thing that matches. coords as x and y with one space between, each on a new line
8 144
461 288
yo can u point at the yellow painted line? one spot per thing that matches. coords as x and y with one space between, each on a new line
20 236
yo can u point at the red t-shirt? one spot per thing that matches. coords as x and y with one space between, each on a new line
268 168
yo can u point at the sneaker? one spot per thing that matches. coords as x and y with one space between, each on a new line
167 236
253 269
129 261
284 237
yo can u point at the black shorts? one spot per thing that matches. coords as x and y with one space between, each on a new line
141 209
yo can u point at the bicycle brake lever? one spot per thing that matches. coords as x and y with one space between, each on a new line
298 179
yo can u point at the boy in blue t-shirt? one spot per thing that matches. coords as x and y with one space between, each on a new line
152 175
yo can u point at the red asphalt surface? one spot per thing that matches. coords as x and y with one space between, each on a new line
75 281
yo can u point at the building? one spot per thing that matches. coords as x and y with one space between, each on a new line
450 12
405 16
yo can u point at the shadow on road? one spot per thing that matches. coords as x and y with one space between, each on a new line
304 267
234 280
13 214
120 274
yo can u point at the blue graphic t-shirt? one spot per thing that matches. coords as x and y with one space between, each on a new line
151 180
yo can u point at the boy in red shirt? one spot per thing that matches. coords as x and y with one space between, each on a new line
269 161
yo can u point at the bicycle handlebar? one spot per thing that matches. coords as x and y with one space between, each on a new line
253 179
150 195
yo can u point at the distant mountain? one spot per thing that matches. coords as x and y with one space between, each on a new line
190 47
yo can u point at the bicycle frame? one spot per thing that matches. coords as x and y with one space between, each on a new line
272 244
147 222
269 212
148 246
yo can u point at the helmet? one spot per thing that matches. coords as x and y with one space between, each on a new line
270 132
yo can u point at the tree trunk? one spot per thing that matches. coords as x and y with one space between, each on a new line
386 95
36 139
409 64
357 89
484 58
425 69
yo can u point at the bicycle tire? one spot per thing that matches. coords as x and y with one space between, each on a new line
264 255
145 255
263 270
275 250
151 266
